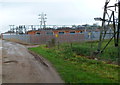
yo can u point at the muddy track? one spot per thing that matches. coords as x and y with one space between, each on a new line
20 66
0 61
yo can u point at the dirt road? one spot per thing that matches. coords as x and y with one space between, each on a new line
19 66
0 61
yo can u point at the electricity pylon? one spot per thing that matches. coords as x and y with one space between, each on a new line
42 18
111 15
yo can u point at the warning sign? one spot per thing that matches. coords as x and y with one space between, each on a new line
56 35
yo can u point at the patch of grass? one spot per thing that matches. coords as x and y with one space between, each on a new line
87 48
77 69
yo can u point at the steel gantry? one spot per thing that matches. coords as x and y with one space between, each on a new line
24 28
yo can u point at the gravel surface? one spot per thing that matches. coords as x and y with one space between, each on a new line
20 66
0 61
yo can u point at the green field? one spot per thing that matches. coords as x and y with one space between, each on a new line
73 66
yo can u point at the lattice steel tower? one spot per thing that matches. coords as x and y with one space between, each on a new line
111 15
42 18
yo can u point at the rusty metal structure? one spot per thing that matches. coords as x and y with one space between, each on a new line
110 20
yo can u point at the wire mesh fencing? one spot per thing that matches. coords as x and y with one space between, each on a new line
43 39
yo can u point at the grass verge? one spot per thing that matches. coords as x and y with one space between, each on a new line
78 69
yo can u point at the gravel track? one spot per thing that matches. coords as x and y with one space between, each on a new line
20 66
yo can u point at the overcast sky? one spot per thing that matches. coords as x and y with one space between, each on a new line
59 12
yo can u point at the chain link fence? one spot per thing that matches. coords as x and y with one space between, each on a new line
43 39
